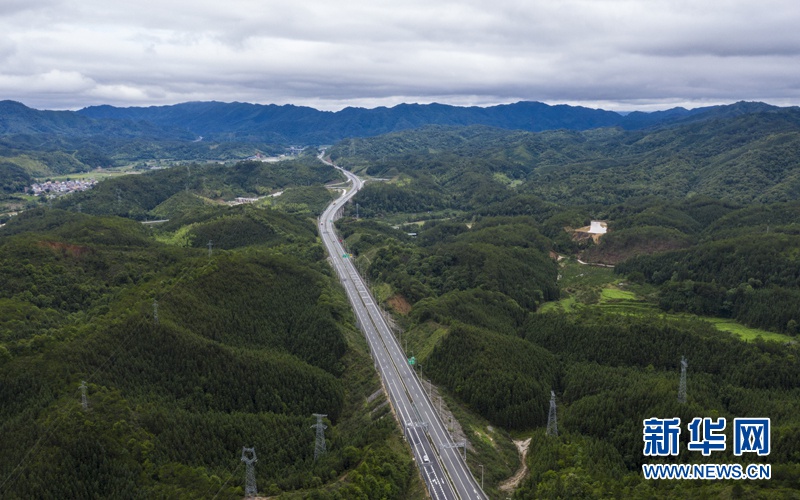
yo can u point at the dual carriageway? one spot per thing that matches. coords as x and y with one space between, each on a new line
442 467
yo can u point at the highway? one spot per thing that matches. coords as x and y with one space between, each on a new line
441 464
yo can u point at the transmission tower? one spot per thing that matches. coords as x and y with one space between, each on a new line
250 476
155 312
552 419
682 386
319 447
209 248
84 399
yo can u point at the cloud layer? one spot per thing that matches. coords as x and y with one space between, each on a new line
617 54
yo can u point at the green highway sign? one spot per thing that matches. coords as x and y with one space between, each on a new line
412 361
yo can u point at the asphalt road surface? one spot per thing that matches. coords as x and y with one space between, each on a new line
441 463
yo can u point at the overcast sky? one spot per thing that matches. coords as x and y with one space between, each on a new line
614 54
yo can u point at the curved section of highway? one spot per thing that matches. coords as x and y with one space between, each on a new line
443 469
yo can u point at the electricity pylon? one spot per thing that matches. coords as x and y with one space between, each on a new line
552 419
682 386
319 446
250 476
84 399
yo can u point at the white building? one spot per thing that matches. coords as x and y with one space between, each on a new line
598 227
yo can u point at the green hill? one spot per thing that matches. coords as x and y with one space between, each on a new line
179 203
139 196
247 345
490 215
744 158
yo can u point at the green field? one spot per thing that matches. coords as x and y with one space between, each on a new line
615 294
745 332
94 174
599 287
567 305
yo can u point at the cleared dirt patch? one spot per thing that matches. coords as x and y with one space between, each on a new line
399 304
66 248
511 483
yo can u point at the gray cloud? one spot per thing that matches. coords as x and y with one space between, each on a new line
621 54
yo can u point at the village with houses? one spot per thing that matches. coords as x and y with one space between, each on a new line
59 188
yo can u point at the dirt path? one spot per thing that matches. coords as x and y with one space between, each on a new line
511 483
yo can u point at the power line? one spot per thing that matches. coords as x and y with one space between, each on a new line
230 476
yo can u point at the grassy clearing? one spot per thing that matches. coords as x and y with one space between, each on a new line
615 300
584 276
94 174
589 286
615 294
180 238
745 332
382 291
422 339
420 218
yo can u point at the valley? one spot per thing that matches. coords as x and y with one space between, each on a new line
226 326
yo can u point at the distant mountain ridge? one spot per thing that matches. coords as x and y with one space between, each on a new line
16 119
297 124
290 124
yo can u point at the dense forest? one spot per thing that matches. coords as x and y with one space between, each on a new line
611 370
300 124
469 235
62 142
751 157
222 326
187 357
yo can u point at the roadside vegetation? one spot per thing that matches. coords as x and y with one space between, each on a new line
496 308
468 235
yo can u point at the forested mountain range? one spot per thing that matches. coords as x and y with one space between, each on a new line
298 124
744 158
289 124
16 119
481 268
37 143
703 209
187 357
